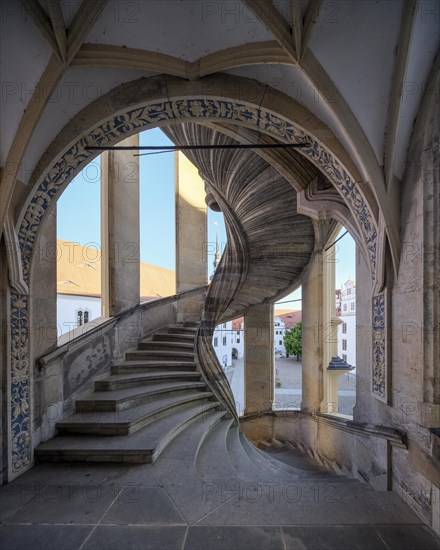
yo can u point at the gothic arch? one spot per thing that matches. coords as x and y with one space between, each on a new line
160 101
148 103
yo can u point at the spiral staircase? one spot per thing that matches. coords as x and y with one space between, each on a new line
164 421
173 382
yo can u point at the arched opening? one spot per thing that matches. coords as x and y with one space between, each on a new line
157 223
346 287
72 159
288 352
339 331
78 243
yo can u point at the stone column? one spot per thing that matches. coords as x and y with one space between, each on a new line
46 386
44 296
259 359
312 334
330 331
5 318
120 279
191 229
191 234
363 409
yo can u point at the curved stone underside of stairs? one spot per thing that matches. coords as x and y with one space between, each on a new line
170 392
268 243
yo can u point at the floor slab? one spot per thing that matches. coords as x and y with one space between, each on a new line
110 537
43 537
227 538
408 537
297 504
331 537
67 504
169 506
143 506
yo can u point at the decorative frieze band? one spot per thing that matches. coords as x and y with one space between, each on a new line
379 326
20 383
71 162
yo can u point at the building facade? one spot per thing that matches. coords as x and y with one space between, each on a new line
228 340
347 330
79 284
223 342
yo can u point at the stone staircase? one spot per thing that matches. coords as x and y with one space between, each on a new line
155 408
173 382
151 451
165 423
156 403
148 399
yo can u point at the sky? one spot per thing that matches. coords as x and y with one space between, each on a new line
344 257
78 220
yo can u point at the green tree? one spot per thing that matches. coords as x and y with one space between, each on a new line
293 340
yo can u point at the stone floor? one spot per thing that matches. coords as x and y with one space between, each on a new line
168 506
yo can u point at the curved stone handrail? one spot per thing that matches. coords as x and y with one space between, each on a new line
227 282
116 334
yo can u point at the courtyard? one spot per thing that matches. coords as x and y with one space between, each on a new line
288 382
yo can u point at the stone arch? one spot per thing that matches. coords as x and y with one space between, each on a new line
155 102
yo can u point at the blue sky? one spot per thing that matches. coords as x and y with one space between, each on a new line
345 258
78 210
345 265
78 219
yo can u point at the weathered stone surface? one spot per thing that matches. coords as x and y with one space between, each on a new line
120 286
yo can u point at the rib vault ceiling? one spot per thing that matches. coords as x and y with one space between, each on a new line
359 66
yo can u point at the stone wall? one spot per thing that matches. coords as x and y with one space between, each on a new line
415 332
3 362
69 371
389 444
43 333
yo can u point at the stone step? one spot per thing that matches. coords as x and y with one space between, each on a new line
179 329
127 421
126 378
158 355
212 460
122 399
168 346
297 470
186 445
152 366
286 472
244 467
271 446
269 470
142 447
176 337
296 458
